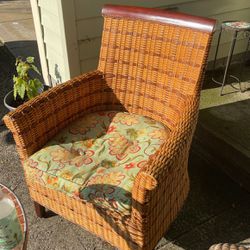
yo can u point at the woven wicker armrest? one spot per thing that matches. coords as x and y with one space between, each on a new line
38 120
160 175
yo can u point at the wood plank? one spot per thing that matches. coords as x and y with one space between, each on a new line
67 20
224 48
50 21
201 8
242 14
89 65
49 5
53 40
209 8
234 15
52 53
40 42
89 49
226 37
85 28
56 66
86 9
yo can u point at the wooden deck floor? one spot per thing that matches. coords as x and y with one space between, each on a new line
223 131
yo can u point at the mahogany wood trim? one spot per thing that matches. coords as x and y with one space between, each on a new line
158 15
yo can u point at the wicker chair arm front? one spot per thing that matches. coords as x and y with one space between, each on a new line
38 120
177 143
166 171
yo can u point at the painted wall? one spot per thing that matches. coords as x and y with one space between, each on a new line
52 38
72 29
55 25
221 10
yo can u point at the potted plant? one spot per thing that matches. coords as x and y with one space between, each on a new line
25 87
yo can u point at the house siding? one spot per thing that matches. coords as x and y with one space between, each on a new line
52 38
88 16
221 10
72 29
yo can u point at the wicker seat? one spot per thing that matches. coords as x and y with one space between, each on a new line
151 65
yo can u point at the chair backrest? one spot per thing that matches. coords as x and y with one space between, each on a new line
154 59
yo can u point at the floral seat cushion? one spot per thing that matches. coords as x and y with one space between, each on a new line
98 157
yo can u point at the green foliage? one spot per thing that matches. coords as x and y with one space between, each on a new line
24 85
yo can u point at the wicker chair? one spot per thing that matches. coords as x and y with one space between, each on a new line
151 65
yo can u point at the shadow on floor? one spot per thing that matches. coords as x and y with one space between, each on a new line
229 122
223 137
217 210
243 73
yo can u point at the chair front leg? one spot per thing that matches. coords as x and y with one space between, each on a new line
40 210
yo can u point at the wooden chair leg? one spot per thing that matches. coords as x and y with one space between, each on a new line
40 210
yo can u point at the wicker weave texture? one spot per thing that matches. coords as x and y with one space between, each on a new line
152 67
145 67
227 246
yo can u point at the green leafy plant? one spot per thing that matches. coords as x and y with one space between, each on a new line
24 86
